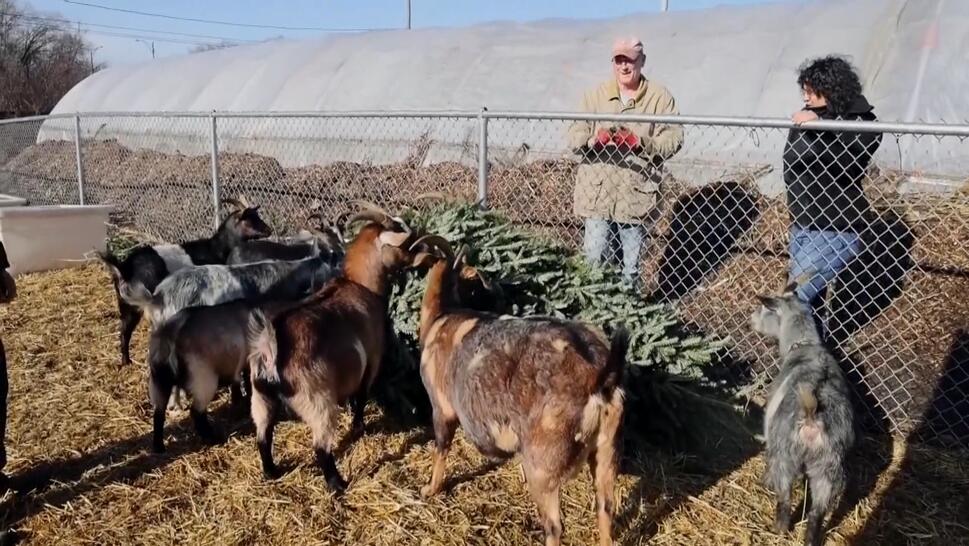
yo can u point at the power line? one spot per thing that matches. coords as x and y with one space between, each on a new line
215 22
116 27
123 34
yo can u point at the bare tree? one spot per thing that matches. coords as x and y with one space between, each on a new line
40 61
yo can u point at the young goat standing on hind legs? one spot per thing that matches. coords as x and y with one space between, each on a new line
543 388
809 420
316 357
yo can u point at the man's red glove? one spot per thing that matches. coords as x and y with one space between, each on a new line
626 140
602 138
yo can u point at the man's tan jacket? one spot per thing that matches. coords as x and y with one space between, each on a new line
624 189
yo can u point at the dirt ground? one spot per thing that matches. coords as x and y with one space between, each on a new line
80 471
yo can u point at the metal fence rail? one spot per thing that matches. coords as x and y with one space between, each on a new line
711 221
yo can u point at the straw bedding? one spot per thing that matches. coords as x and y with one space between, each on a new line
79 429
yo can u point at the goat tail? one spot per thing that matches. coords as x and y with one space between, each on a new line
610 376
605 403
163 361
262 348
808 401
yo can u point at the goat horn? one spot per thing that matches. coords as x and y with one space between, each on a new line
234 203
370 216
341 220
245 202
435 241
462 254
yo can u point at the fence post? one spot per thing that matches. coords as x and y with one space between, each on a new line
482 159
80 162
215 171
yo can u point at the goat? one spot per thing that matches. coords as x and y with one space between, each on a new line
8 291
318 356
149 265
194 350
215 284
326 238
809 424
544 388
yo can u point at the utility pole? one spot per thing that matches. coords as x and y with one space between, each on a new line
664 5
408 14
150 44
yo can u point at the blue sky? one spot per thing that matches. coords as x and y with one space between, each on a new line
315 13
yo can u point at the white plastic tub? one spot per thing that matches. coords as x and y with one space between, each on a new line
52 237
11 201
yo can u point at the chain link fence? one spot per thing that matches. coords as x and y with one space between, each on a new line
700 213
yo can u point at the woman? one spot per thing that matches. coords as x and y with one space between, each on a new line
823 171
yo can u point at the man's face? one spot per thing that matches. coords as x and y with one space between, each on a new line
626 70
812 99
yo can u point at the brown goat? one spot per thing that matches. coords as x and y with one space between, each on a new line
328 351
544 388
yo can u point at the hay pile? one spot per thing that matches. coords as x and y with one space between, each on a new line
79 429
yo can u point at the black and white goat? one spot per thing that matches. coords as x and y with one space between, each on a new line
809 423
149 265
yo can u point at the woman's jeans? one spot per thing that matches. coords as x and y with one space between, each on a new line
597 240
818 256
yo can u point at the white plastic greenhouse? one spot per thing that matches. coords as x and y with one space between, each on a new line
728 61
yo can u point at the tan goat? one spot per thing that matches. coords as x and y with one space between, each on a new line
544 388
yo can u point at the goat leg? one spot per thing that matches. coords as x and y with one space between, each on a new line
158 433
204 428
130 317
327 463
358 404
264 410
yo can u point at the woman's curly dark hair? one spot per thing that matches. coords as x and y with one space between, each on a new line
833 78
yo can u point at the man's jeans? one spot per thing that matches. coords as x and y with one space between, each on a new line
631 236
820 256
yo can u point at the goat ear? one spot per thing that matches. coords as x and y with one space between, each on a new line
393 238
423 260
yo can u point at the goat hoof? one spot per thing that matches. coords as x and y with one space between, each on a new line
337 484
158 449
271 473
427 492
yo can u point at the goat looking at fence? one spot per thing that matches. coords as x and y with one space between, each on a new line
316 357
809 421
548 389
149 265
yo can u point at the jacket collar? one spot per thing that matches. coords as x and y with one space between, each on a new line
613 89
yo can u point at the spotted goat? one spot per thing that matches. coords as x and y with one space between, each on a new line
543 388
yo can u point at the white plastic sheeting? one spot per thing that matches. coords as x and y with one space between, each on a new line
733 61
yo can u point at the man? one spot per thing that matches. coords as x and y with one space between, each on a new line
618 182
823 172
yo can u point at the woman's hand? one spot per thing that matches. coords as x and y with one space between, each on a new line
803 116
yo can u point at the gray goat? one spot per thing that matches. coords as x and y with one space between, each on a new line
809 424
326 239
215 284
